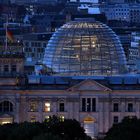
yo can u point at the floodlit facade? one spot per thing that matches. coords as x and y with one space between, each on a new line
85 47
96 102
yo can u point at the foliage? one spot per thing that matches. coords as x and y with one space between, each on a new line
52 129
46 136
68 129
128 129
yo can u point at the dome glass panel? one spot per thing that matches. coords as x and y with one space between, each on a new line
85 47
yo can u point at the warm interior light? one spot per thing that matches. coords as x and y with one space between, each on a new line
47 104
93 44
5 122
47 107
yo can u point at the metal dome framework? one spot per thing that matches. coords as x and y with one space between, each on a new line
85 47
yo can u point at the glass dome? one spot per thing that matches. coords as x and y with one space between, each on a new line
85 47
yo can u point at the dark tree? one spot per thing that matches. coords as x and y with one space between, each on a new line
68 129
128 129
51 129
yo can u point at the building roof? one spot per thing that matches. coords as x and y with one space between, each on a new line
120 82
34 82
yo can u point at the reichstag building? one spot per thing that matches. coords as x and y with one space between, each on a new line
88 80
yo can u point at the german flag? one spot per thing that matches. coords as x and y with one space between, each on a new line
10 36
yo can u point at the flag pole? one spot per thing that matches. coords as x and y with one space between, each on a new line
6 33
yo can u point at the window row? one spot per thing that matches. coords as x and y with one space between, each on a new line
129 107
116 119
35 44
33 107
39 50
8 68
87 105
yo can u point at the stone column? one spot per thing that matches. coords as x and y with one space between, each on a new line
70 110
76 107
40 110
70 107
101 117
107 123
17 110
137 109
122 109
54 107
23 109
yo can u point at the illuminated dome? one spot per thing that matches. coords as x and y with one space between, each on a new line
85 47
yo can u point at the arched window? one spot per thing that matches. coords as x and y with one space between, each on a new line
61 106
6 106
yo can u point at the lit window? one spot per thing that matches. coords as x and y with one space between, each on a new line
33 118
47 107
33 106
62 118
47 118
5 122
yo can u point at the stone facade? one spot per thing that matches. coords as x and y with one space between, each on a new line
94 105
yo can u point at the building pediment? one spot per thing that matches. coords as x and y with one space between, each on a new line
89 85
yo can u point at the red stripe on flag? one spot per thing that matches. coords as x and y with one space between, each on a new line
10 36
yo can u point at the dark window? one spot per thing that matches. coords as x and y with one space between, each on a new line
26 44
115 107
30 50
6 106
83 104
38 44
6 68
14 68
61 107
116 119
130 107
93 104
33 54
88 104
26 49
44 45
38 49
32 44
